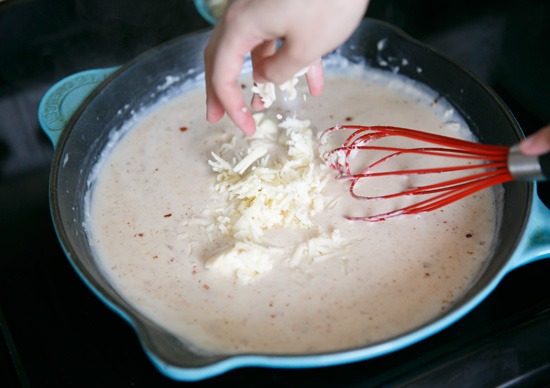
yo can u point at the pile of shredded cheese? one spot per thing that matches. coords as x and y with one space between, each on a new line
265 193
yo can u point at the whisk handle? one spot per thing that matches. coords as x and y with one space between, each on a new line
528 167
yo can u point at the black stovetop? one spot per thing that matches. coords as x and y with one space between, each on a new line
56 333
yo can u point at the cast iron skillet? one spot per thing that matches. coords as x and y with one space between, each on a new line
78 115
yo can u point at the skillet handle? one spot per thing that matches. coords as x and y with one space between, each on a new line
535 243
62 100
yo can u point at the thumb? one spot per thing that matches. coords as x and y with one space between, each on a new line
282 65
537 143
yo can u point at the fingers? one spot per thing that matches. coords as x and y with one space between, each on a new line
282 65
255 26
227 97
214 108
223 61
276 66
537 143
315 78
262 51
232 101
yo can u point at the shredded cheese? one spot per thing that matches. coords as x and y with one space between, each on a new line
266 192
267 91
244 260
323 247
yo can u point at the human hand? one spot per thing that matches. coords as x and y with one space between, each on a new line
308 30
537 143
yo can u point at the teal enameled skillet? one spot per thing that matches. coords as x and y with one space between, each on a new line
80 112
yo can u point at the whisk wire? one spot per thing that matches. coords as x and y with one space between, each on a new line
449 196
492 159
378 132
454 184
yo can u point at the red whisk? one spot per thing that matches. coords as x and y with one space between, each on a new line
498 164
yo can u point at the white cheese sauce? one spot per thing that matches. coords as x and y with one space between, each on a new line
154 200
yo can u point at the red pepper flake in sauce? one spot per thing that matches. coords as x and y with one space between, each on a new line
468 235
206 287
183 129
349 118
168 215
155 257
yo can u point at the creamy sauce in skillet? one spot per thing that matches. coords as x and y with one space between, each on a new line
154 200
